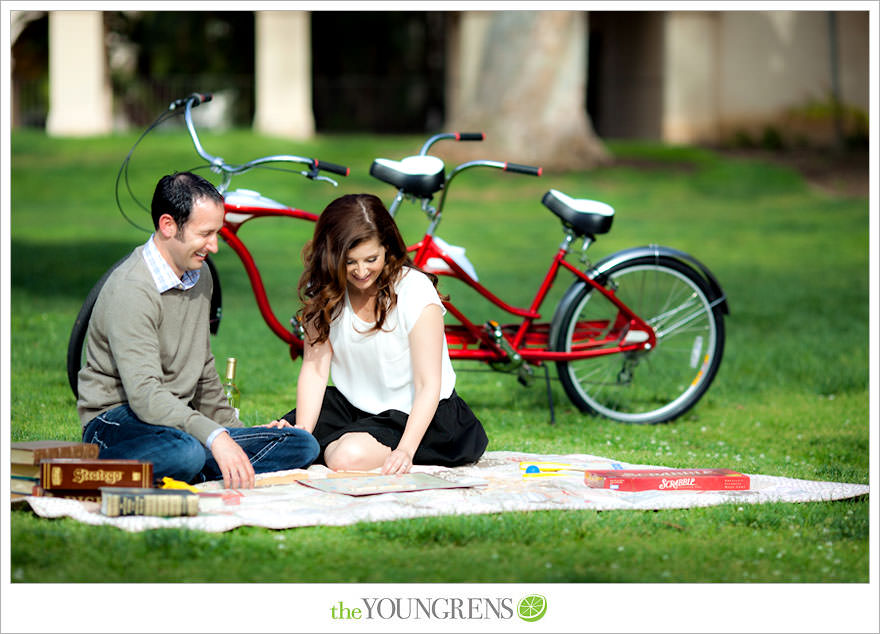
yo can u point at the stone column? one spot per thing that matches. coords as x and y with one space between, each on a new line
284 74
690 99
80 98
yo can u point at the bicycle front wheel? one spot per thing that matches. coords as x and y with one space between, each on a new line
646 386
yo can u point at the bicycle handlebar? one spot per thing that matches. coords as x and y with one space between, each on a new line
197 99
219 165
502 165
456 136
332 167
478 136
523 169
507 167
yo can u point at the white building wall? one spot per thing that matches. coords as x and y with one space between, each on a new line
853 43
746 71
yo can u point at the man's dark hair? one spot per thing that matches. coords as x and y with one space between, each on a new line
176 193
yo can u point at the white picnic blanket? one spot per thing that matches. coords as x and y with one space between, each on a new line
504 489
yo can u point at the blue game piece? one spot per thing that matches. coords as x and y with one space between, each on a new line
532 469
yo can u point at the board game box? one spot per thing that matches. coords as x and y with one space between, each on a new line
667 480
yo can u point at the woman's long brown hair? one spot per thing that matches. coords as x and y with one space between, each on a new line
343 225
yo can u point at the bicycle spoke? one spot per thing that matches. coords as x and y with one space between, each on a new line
656 384
678 326
669 308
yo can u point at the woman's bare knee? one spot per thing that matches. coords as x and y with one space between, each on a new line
356 451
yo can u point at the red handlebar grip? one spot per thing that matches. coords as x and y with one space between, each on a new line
332 167
523 169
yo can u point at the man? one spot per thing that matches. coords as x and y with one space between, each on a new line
149 389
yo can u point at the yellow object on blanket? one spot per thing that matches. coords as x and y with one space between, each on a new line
540 469
543 469
171 483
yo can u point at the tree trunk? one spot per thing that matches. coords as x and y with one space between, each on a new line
520 77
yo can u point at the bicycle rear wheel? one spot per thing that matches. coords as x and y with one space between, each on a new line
76 342
652 386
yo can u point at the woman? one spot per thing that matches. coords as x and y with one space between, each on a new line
374 322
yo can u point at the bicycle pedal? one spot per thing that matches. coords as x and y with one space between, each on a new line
525 374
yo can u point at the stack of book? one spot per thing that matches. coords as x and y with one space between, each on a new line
26 456
55 468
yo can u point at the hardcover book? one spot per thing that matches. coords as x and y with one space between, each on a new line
32 451
668 480
80 473
83 495
120 501
22 485
25 470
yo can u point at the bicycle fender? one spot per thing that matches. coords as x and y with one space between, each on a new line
656 252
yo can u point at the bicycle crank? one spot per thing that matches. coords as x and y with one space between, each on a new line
625 376
513 361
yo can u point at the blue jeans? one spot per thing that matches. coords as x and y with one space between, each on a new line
121 434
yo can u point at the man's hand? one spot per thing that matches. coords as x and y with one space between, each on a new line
237 470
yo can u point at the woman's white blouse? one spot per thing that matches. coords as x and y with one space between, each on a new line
373 369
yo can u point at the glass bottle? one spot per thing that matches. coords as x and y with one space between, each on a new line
229 387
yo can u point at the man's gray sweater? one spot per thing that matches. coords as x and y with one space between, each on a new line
153 352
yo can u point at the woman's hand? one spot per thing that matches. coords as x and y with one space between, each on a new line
426 348
279 424
398 462
282 423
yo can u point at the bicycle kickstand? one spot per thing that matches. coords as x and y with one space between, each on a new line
549 394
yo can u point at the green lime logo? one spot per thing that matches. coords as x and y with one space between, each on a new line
532 607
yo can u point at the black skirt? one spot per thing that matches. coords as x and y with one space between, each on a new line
454 437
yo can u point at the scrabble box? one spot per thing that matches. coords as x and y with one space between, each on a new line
667 480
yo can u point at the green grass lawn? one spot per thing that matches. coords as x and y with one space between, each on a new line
791 398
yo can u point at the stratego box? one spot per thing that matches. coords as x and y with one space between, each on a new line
667 480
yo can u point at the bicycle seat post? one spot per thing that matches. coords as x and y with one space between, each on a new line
395 204
432 213
587 242
566 242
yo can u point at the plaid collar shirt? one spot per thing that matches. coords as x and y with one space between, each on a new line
163 276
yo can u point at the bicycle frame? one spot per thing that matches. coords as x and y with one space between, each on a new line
238 214
527 341
528 338
467 341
